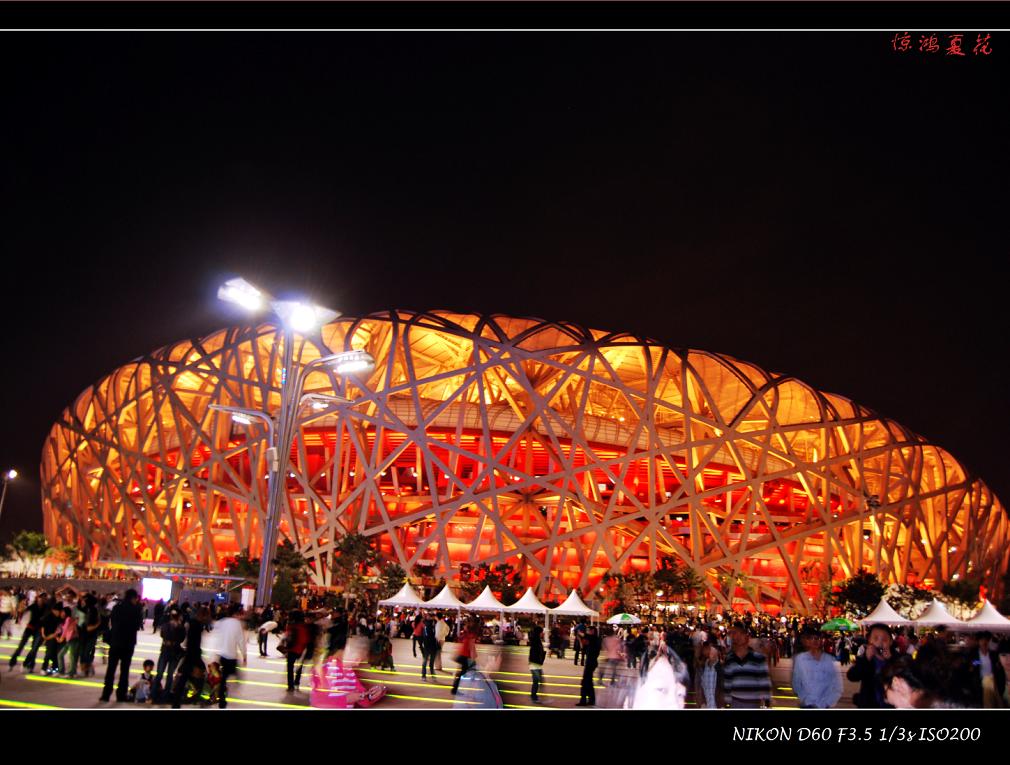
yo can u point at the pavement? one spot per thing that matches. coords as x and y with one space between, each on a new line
262 683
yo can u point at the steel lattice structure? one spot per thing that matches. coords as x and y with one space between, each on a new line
563 451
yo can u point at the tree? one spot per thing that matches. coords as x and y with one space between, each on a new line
678 580
63 556
504 581
353 556
290 561
284 590
28 544
29 548
859 594
909 600
961 596
391 579
245 565
289 570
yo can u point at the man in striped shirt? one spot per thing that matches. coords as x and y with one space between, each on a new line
746 680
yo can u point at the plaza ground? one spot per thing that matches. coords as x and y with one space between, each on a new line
262 684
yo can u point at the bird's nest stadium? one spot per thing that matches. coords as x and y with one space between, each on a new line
565 452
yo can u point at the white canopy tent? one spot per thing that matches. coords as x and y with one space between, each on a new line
527 604
573 606
486 601
884 614
405 597
987 619
445 599
936 616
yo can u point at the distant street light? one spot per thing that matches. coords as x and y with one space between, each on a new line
9 476
304 318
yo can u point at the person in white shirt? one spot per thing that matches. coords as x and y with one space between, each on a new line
817 679
8 611
441 633
229 636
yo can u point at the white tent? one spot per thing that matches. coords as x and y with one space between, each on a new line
405 597
573 606
884 614
936 615
445 599
987 619
527 604
486 601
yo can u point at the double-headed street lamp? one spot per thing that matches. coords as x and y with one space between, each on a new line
304 318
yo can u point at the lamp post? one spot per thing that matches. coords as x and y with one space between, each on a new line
9 476
294 317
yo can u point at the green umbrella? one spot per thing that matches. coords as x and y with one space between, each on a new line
624 619
839 623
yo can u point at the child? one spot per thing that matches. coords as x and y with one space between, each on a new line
214 682
381 651
141 690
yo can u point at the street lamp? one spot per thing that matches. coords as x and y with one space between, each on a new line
9 476
295 316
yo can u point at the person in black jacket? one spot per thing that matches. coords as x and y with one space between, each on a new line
127 618
591 653
868 669
192 666
537 658
429 647
159 612
32 633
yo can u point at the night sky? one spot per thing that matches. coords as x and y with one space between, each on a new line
816 204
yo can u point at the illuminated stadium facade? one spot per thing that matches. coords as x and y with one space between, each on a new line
565 452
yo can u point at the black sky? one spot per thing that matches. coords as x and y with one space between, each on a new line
812 203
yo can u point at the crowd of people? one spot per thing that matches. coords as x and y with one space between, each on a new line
723 663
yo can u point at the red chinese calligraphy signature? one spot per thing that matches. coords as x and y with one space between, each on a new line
951 43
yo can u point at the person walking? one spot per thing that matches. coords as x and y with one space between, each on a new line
159 613
817 679
51 626
337 633
579 632
467 652
297 639
417 634
231 645
173 633
429 647
537 658
38 608
192 659
69 643
126 620
8 609
441 634
591 654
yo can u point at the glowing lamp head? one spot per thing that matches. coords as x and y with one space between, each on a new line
243 294
354 362
303 317
10 475
241 419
